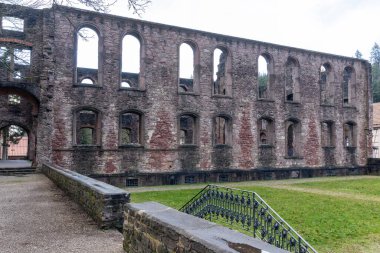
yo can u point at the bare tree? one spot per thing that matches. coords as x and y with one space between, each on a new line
137 6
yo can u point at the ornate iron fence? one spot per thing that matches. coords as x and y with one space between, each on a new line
247 212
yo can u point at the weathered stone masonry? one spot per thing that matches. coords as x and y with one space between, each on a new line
308 117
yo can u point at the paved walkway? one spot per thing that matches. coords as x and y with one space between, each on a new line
37 217
15 164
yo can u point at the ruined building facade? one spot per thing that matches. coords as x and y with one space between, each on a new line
309 114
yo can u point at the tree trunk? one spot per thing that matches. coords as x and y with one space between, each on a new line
5 144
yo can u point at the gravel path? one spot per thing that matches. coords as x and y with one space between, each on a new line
35 216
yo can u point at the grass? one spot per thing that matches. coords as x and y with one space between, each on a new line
328 223
366 186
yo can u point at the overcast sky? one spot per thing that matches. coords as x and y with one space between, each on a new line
331 26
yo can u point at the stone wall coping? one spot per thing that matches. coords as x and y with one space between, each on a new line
94 184
215 237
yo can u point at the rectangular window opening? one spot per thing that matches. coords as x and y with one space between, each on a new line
13 24
223 178
132 182
189 179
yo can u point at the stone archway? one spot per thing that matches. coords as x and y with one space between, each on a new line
18 108
14 141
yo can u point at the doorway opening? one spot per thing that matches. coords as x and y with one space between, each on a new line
14 143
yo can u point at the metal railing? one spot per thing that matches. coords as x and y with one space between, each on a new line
247 212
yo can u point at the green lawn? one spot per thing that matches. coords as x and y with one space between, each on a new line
329 223
366 186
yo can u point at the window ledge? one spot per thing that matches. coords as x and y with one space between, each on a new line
88 85
292 102
131 145
132 89
79 146
349 106
350 147
293 157
328 147
189 146
221 146
266 146
327 105
188 93
221 96
265 100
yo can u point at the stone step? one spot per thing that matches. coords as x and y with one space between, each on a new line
18 171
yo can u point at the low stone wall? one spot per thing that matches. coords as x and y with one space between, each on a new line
152 227
230 175
103 202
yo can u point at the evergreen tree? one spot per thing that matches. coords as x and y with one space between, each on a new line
375 61
358 54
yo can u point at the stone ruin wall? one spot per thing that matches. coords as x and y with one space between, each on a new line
160 103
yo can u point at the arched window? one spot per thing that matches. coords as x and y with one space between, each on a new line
292 86
87 127
349 134
221 77
13 143
326 84
187 128
293 138
328 134
265 127
265 70
87 81
348 85
186 68
87 55
130 65
130 128
222 130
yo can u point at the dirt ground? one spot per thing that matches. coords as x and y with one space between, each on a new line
36 216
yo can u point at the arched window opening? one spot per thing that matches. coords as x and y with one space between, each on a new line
87 127
126 84
349 134
290 142
266 131
348 85
87 81
187 129
263 77
13 143
326 85
86 136
221 130
130 65
293 138
263 138
220 76
328 134
87 54
130 128
292 89
12 24
182 136
186 68
323 73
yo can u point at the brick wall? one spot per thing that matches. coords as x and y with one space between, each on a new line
160 104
